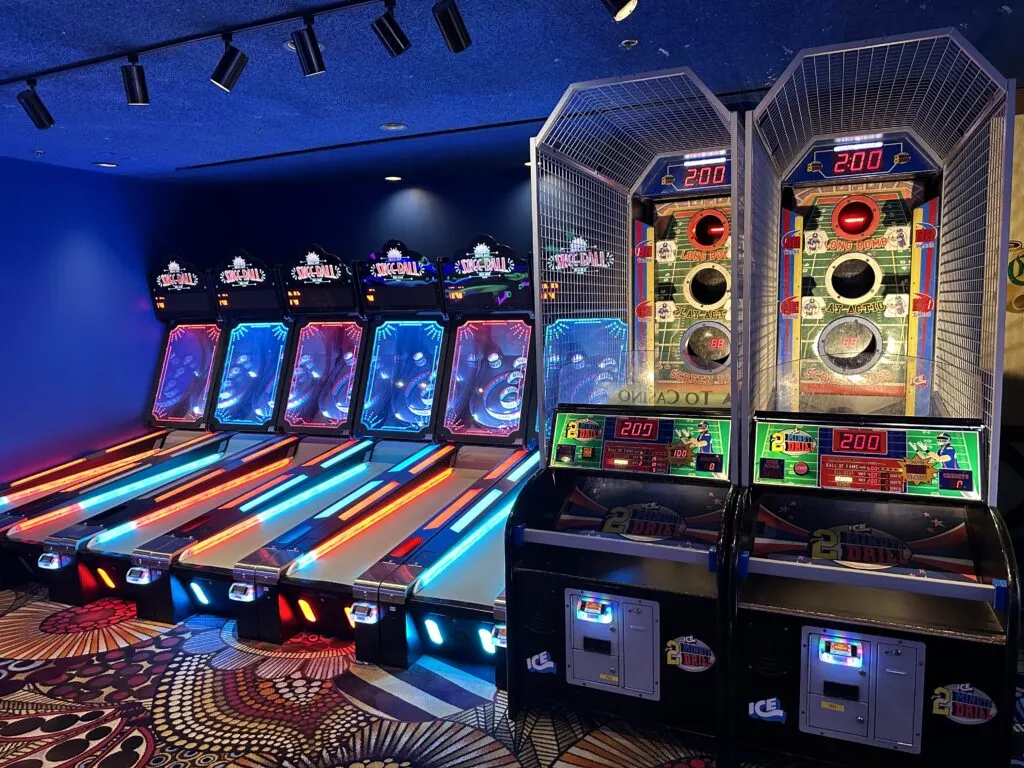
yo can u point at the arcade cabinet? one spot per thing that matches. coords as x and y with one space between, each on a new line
192 350
436 589
247 298
614 551
875 599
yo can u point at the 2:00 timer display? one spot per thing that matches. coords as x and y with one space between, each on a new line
859 441
636 429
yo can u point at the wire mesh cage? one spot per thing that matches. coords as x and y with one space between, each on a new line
936 88
591 156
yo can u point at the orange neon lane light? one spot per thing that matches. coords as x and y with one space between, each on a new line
370 520
452 509
269 449
431 459
499 470
327 454
240 500
190 484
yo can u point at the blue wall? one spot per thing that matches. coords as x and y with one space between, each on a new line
79 344
437 214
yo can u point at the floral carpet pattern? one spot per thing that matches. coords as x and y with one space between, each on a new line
95 687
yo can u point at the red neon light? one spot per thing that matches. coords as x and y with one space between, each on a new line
370 520
324 456
176 450
452 509
35 522
151 436
407 546
431 459
270 448
499 470
77 480
44 473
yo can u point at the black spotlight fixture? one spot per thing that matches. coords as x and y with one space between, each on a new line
307 48
34 107
452 27
620 9
390 34
134 77
229 68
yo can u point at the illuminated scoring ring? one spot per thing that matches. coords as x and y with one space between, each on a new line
709 229
696 340
850 345
853 278
848 215
706 287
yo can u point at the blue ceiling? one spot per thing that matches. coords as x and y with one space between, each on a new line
524 53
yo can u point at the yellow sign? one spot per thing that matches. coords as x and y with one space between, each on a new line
833 707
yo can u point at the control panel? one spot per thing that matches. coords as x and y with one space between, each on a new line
863 688
681 447
915 462
612 644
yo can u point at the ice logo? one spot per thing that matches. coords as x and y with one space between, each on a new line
769 710
481 251
173 266
238 262
577 245
541 663
312 259
394 254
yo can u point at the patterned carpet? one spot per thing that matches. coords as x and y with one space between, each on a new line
95 687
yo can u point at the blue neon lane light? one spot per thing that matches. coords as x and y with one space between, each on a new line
275 491
462 546
357 494
4 501
486 641
520 472
198 592
345 454
433 632
316 490
476 510
116 531
414 458
149 482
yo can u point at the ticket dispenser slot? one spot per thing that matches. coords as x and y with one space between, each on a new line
862 688
611 643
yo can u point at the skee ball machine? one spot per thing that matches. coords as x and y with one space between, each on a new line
877 604
614 550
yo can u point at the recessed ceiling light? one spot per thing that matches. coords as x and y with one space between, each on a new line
392 178
290 45
104 164
528 164
393 126
629 42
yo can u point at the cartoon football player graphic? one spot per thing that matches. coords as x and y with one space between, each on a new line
945 453
704 443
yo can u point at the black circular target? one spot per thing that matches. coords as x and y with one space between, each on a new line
707 347
709 229
708 286
853 278
850 345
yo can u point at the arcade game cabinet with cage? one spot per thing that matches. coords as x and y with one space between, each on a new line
614 551
876 603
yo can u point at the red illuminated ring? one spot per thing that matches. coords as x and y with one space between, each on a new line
698 217
869 230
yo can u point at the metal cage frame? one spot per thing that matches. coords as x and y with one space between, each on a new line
588 160
936 86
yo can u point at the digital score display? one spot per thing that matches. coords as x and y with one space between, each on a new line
857 161
860 441
636 429
698 177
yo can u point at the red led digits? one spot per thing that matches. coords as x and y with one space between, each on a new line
705 176
859 441
857 162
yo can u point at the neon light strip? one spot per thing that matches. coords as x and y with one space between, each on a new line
110 470
373 498
317 459
431 459
474 512
119 492
255 492
44 473
704 161
853 147
414 458
500 469
276 491
352 497
341 456
176 450
191 484
516 475
150 436
276 446
462 546
370 520
159 514
311 493
452 509
72 482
